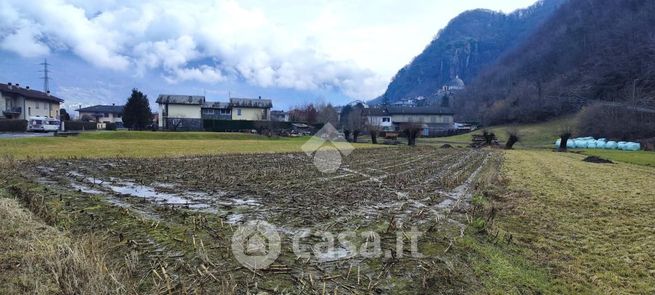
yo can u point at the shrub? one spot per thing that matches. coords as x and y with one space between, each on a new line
13 125
80 125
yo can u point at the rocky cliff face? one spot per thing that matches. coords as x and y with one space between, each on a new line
471 41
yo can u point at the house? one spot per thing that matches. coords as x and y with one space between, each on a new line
390 118
216 111
251 109
280 116
103 114
18 102
180 112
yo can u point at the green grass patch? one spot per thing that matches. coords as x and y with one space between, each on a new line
538 135
590 224
163 135
503 271
633 157
149 144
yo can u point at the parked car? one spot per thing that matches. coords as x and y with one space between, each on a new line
43 124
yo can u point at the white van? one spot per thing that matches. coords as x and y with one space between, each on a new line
43 124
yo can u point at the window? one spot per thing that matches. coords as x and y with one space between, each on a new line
209 111
37 105
106 115
238 112
386 119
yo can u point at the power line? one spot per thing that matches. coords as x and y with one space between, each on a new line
46 77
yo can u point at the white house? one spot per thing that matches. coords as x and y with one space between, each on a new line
183 112
389 118
103 114
18 102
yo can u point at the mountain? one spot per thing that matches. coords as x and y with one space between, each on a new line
471 41
589 51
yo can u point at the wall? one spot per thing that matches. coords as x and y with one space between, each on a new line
40 108
377 121
422 118
183 111
111 118
3 104
250 114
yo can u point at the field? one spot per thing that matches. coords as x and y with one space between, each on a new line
146 144
590 224
180 223
147 215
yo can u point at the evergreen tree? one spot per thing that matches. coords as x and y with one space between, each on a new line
137 114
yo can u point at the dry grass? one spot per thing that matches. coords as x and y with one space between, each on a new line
38 259
590 224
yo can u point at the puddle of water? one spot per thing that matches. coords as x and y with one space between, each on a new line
85 189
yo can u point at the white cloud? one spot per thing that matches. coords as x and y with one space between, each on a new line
350 46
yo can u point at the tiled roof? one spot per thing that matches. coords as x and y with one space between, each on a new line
404 110
215 105
251 103
7 89
181 99
113 109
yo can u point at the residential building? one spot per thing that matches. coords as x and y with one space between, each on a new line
103 114
390 118
180 112
251 109
280 116
216 111
18 102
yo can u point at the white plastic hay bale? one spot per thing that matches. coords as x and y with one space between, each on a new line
611 145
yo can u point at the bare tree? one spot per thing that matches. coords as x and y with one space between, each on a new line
513 137
373 130
327 114
411 130
565 133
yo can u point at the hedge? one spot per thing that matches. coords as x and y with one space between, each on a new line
13 125
80 125
238 125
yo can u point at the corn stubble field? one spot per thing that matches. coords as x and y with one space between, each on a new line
520 222
168 222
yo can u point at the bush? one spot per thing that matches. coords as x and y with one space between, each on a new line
615 122
110 126
13 125
237 125
80 125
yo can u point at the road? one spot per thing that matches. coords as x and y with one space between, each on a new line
23 134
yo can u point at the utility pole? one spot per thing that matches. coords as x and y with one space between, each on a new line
46 77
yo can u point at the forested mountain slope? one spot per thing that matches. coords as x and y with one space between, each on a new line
471 41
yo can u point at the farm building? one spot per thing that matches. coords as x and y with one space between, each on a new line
390 118
18 102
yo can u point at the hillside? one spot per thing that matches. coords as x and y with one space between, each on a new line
471 41
588 51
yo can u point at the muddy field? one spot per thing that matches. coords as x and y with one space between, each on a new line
170 221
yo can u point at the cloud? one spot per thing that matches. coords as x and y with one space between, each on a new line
178 38
353 47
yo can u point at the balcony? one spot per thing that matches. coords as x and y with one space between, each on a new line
12 112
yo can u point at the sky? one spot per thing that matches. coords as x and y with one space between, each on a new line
293 52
